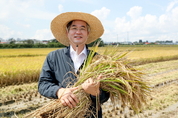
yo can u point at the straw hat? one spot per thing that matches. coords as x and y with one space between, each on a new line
59 23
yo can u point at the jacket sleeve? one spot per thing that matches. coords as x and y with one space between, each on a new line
48 85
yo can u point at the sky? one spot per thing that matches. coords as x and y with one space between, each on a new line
123 20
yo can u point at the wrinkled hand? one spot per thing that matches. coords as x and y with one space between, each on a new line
92 87
67 97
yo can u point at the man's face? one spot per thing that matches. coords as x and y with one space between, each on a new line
78 33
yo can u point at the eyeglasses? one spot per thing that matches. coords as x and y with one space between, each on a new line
75 29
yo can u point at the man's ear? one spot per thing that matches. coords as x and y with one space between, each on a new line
88 34
67 33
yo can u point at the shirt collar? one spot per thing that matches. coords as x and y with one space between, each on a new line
84 51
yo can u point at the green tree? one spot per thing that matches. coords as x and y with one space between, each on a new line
95 42
53 41
30 41
11 41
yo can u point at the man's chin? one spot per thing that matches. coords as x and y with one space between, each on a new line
78 42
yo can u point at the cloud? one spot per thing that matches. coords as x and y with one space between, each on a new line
102 13
19 9
23 25
4 14
43 34
41 15
19 18
86 1
6 32
60 8
148 27
171 5
134 12
175 15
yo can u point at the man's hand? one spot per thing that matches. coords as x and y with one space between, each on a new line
67 97
92 87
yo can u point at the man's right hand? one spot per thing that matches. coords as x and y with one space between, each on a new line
67 97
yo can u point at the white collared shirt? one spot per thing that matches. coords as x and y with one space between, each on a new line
78 59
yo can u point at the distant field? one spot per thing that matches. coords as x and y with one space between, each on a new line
147 52
14 59
18 64
25 52
138 52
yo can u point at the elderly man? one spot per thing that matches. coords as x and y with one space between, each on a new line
75 30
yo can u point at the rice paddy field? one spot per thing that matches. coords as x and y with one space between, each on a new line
20 68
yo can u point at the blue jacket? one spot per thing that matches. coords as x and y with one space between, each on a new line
55 74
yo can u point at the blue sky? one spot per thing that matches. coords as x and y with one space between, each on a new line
123 20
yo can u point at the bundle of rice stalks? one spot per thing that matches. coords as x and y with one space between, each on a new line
121 80
55 109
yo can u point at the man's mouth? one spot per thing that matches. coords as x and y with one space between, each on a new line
78 37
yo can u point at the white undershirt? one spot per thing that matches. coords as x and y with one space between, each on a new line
78 59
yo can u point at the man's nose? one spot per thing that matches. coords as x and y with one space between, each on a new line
78 31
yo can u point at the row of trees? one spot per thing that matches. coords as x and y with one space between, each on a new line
51 44
38 45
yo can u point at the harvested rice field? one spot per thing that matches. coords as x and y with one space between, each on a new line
19 72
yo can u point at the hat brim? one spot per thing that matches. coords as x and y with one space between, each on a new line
59 23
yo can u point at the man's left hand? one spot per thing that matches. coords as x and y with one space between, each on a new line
92 87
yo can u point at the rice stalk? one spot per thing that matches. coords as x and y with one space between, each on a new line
121 80
55 109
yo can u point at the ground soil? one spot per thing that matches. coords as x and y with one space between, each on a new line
169 112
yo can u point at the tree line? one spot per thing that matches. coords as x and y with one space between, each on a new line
51 44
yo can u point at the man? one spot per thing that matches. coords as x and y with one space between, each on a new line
75 30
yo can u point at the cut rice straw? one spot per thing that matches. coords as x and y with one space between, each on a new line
121 80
